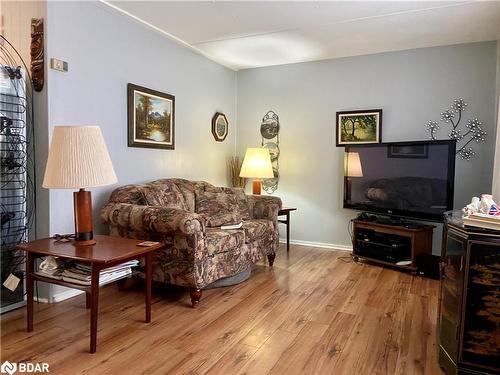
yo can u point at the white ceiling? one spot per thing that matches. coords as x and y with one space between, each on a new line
248 34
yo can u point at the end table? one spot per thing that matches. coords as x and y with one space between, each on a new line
107 252
285 211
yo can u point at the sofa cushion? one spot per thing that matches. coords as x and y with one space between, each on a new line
220 241
239 194
163 193
219 208
257 228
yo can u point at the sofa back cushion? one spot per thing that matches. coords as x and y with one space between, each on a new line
219 208
131 194
239 195
163 193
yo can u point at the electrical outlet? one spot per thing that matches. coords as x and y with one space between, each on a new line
59 65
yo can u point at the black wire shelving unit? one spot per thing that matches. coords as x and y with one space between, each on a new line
17 203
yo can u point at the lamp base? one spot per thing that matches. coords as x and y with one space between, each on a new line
85 243
84 234
256 187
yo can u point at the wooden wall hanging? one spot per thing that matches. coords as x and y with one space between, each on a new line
37 60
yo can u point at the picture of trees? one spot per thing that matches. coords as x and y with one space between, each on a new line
151 118
358 127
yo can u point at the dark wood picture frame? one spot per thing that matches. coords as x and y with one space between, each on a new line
218 137
134 141
378 131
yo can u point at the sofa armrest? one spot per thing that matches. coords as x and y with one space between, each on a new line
264 207
149 219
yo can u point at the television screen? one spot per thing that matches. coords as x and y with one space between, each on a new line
412 179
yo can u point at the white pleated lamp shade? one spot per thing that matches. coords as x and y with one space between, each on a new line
78 158
354 168
257 164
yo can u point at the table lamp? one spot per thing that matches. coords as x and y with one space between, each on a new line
257 165
353 169
78 159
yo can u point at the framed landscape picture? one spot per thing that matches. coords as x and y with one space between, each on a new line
151 118
358 127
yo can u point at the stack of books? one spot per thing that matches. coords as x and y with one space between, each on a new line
483 221
81 273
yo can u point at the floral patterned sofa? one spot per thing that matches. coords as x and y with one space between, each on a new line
186 216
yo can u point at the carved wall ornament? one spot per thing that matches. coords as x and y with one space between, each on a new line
37 60
269 130
473 129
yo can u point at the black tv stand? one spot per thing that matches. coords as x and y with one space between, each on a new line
387 241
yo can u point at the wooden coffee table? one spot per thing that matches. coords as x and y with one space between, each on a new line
107 252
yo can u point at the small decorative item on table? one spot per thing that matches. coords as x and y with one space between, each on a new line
359 127
220 126
483 213
151 118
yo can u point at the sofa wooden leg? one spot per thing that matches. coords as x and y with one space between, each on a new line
195 296
270 258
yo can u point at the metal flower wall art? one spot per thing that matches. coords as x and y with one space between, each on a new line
473 129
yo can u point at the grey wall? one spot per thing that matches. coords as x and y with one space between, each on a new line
106 50
411 87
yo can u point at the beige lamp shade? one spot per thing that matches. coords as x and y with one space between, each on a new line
354 168
78 158
257 164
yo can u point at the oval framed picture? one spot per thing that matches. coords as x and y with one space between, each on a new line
220 126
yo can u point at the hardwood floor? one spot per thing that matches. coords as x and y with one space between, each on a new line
312 313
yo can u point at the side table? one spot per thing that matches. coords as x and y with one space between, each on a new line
285 211
107 252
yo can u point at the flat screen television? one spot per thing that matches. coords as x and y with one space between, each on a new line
408 179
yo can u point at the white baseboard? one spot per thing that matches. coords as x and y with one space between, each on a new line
323 245
58 297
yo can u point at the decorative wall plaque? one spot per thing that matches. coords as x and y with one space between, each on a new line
473 131
219 126
36 51
269 130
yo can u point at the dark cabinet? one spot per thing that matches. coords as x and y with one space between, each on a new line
469 311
